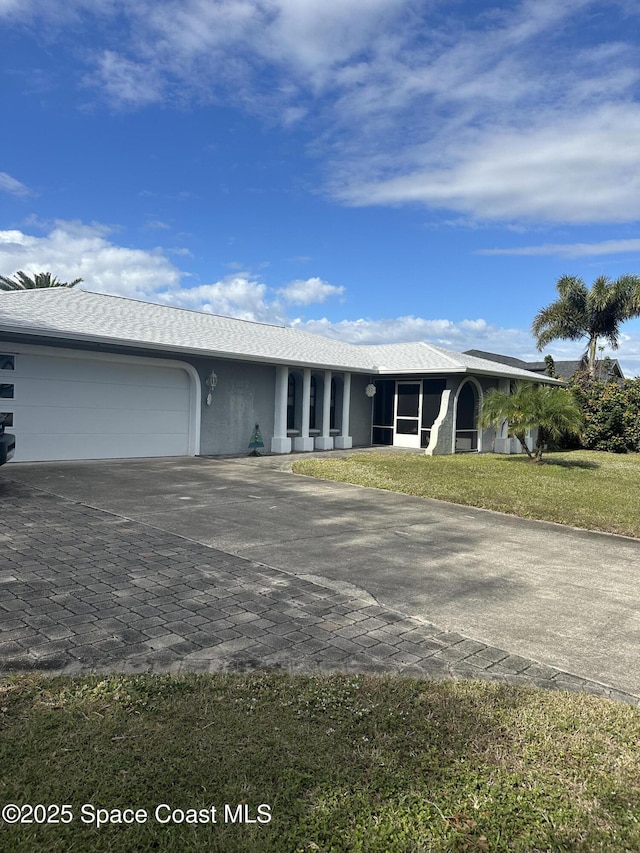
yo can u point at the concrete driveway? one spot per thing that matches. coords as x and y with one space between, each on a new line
566 599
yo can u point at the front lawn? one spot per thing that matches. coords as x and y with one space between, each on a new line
340 764
582 488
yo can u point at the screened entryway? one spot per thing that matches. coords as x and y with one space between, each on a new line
467 419
406 424
404 411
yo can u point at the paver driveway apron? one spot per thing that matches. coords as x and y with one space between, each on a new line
565 598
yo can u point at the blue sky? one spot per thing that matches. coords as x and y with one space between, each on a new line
375 170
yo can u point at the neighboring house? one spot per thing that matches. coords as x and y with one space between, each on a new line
607 369
89 376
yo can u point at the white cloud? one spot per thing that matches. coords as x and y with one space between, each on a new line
243 295
464 334
564 170
468 334
505 112
126 83
11 185
308 291
235 296
318 35
75 250
570 250
58 11
499 122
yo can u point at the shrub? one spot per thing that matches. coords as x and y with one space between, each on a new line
611 413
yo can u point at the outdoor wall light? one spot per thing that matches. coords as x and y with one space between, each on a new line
370 390
211 381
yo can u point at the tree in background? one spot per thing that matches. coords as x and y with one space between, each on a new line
611 413
552 411
549 365
22 281
592 313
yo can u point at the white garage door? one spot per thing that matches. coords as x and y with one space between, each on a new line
87 407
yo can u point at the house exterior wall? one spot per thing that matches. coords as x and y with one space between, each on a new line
243 397
361 411
488 439
501 441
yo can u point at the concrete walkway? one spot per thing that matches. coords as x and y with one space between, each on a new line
208 564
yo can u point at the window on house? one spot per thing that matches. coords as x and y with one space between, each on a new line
332 403
6 391
8 418
7 362
291 402
312 403
383 411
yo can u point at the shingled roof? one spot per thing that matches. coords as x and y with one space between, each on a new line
606 368
74 315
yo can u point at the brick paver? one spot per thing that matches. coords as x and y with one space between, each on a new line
83 590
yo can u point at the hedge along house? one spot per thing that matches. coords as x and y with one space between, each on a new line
89 376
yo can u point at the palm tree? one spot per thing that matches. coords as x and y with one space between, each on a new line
22 281
500 407
551 410
594 313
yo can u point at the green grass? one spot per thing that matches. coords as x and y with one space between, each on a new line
582 488
376 765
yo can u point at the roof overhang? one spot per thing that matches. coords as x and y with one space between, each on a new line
21 334
463 370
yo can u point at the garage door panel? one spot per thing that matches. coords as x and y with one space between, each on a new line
84 446
92 408
93 371
100 421
36 393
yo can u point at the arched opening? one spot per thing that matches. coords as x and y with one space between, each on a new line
467 436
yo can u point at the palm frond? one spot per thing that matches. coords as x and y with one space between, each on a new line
550 410
592 313
22 281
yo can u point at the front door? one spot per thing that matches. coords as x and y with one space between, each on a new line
406 428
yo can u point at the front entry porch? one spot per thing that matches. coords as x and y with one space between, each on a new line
435 414
312 410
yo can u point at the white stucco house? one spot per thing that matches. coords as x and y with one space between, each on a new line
89 376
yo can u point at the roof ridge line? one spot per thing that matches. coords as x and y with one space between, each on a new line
446 352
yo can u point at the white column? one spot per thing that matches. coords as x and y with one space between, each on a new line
344 440
325 441
304 442
281 443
